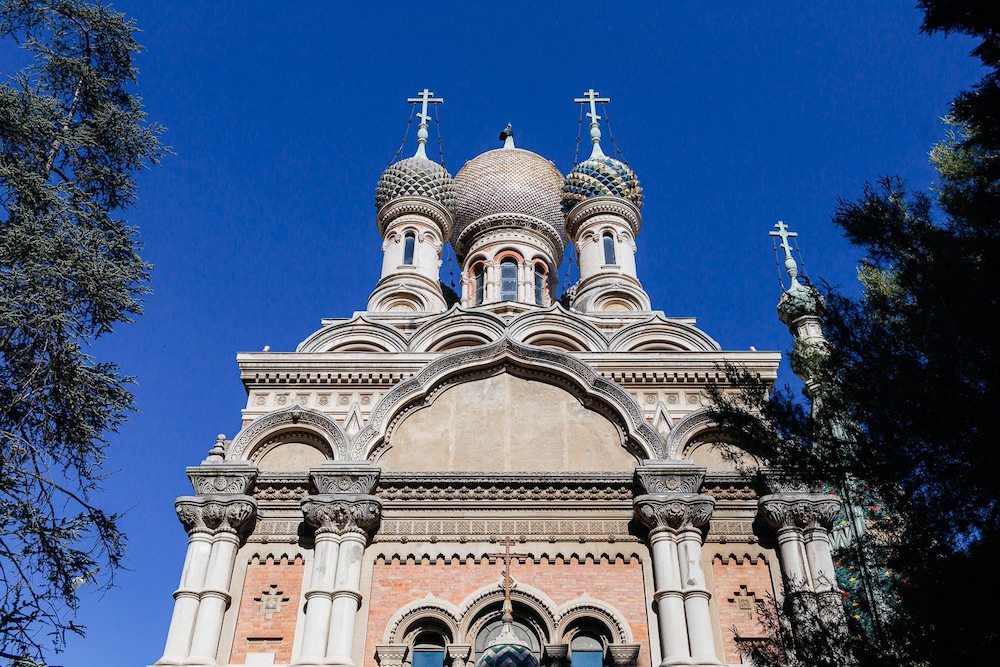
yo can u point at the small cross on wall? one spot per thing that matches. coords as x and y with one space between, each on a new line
271 601
745 600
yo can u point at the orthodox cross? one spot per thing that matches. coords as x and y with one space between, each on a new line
508 609
593 98
790 266
425 97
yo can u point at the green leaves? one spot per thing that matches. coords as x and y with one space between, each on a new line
72 136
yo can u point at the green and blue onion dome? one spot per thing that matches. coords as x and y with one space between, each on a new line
800 300
507 650
416 177
600 176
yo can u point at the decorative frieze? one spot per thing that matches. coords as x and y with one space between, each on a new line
510 487
476 530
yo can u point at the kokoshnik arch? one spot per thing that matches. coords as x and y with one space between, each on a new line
355 519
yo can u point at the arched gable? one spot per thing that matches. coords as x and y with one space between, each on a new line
358 334
659 333
507 356
294 418
457 328
554 328
694 438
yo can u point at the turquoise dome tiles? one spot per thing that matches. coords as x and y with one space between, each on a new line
600 177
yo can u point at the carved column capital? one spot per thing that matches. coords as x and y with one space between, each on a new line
674 512
555 654
391 655
214 514
353 478
341 514
799 510
217 478
670 477
459 654
623 655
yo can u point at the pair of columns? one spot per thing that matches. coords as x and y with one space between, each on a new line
802 522
214 523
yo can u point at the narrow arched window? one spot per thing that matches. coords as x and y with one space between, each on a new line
609 248
428 650
480 275
539 285
508 280
586 651
409 241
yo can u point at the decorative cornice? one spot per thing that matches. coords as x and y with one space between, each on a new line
799 510
341 514
674 512
215 478
421 206
616 206
508 486
482 225
214 514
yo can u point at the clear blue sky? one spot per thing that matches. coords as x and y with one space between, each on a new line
283 115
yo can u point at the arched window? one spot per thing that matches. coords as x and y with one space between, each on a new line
428 650
409 241
586 650
539 285
609 248
479 273
508 280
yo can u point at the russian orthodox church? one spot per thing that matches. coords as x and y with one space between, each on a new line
499 477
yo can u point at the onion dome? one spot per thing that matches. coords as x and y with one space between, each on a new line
507 650
798 301
600 176
416 177
511 187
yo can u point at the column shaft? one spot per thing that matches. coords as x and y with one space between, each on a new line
696 597
319 599
346 600
214 599
669 600
793 562
186 599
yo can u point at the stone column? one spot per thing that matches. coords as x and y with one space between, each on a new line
343 515
215 523
555 654
674 513
459 654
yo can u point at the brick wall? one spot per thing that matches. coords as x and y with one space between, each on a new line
268 609
617 582
739 584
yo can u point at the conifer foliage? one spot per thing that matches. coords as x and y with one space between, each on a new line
904 399
72 137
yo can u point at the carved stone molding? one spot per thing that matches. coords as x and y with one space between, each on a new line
674 512
799 510
216 478
354 478
508 486
522 221
556 654
342 514
422 206
670 477
213 514
603 206
459 654
391 655
623 655
293 415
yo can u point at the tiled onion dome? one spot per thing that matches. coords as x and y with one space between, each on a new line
600 177
416 177
509 180
799 301
501 653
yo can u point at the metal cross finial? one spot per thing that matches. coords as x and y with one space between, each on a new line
425 97
508 608
790 266
593 98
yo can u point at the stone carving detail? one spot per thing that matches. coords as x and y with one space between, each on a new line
556 654
341 514
216 514
510 486
477 529
799 510
276 530
459 654
271 601
215 478
623 655
391 655
674 512
345 478
291 415
670 478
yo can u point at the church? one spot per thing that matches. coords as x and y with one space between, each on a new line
498 475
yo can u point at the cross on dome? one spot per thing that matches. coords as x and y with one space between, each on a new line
424 98
784 234
506 555
593 98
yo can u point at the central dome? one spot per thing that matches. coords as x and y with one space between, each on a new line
512 186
